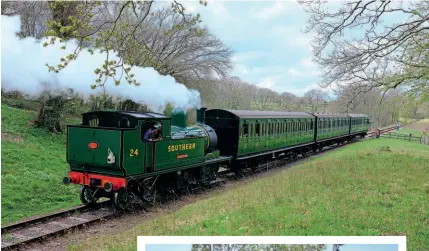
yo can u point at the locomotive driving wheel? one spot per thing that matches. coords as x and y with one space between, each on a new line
208 174
122 199
87 196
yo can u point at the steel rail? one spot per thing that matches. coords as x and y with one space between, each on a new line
24 232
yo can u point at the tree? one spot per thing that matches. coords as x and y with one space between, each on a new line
315 98
336 247
201 247
287 101
385 56
264 98
166 39
34 15
95 26
181 53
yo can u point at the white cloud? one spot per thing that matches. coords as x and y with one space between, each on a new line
240 69
267 83
316 73
250 55
307 62
294 72
274 10
291 35
300 91
218 8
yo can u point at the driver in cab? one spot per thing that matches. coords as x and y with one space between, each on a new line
152 134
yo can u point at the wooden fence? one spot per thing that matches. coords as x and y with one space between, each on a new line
407 137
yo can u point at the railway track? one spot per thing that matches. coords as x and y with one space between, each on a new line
36 229
17 235
385 129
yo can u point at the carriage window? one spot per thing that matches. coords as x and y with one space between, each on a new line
258 130
151 131
245 130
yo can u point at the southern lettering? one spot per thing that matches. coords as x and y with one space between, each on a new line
181 147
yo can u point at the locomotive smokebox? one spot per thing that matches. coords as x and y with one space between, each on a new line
201 115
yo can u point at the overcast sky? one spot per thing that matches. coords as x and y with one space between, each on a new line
269 48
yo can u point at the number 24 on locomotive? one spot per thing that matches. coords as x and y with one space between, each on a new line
134 152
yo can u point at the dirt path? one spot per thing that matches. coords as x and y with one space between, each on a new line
422 125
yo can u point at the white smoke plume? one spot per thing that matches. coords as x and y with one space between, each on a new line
24 69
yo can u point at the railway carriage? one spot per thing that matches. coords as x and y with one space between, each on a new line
359 123
110 156
260 132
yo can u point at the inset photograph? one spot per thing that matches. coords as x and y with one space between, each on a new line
272 247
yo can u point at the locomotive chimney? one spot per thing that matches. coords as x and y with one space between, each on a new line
201 115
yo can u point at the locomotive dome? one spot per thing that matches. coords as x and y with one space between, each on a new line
178 118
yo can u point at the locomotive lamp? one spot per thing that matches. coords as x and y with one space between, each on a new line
66 180
108 187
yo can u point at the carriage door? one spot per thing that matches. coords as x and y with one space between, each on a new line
244 137
151 133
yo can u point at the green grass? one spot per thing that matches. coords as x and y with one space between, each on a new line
32 167
377 187
414 133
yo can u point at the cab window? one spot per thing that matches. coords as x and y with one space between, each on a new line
151 131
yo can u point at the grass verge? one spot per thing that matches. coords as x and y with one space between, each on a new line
377 187
32 167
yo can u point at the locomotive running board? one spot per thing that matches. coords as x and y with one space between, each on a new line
208 162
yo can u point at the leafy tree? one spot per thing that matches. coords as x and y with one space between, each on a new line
89 23
357 47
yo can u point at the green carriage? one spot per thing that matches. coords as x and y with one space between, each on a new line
260 132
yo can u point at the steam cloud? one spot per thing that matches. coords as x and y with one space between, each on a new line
24 70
